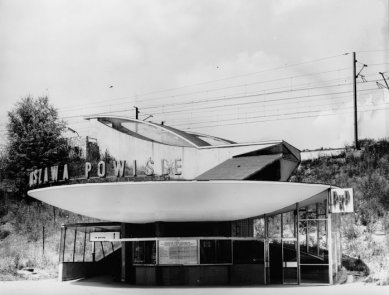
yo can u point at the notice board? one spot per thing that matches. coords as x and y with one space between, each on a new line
178 251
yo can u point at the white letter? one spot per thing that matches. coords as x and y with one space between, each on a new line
65 172
165 169
31 178
54 173
177 165
36 176
149 170
46 176
40 176
101 169
119 168
88 168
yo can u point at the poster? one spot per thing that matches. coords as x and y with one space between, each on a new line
178 252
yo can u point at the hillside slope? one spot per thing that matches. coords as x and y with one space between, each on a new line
365 233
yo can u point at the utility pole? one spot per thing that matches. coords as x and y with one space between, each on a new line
136 112
355 101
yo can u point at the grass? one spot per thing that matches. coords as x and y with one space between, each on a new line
21 242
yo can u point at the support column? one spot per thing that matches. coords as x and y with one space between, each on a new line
298 243
266 245
127 269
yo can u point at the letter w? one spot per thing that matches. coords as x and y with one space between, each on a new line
54 173
119 166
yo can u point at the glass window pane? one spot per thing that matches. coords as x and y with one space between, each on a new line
288 224
248 252
88 249
215 251
79 246
314 274
69 244
313 242
144 252
274 226
322 209
290 262
99 251
259 227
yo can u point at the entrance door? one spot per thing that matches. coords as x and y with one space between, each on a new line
289 261
282 261
275 262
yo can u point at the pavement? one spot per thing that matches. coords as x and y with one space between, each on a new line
98 287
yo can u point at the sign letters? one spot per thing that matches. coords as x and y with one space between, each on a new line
341 200
53 174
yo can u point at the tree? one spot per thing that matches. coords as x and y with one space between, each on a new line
34 139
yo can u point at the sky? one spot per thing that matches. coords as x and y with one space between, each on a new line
244 70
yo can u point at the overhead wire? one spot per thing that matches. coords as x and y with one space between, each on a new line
224 98
279 119
222 88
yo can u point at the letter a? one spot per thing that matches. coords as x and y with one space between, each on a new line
65 172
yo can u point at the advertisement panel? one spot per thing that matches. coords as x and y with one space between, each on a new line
341 200
178 251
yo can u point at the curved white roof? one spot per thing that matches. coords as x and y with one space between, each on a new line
139 202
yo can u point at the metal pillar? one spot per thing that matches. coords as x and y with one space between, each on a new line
83 253
298 243
74 243
64 245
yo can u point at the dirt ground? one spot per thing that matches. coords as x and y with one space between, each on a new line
97 287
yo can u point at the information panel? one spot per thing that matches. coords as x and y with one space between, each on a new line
178 251
104 236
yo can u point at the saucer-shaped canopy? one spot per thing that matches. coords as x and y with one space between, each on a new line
141 202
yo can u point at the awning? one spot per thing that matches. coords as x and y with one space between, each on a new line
177 201
239 168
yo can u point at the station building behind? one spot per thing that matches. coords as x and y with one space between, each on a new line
191 209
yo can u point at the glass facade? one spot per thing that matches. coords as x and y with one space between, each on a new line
298 245
75 245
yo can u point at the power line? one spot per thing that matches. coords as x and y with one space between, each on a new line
232 77
220 88
224 98
280 119
378 50
264 116
185 121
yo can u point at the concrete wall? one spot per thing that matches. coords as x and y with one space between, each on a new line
76 270
194 161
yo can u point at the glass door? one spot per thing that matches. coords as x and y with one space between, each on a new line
289 261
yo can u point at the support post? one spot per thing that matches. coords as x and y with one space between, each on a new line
64 245
329 242
74 244
102 248
83 253
266 245
317 230
128 272
94 252
43 240
298 243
